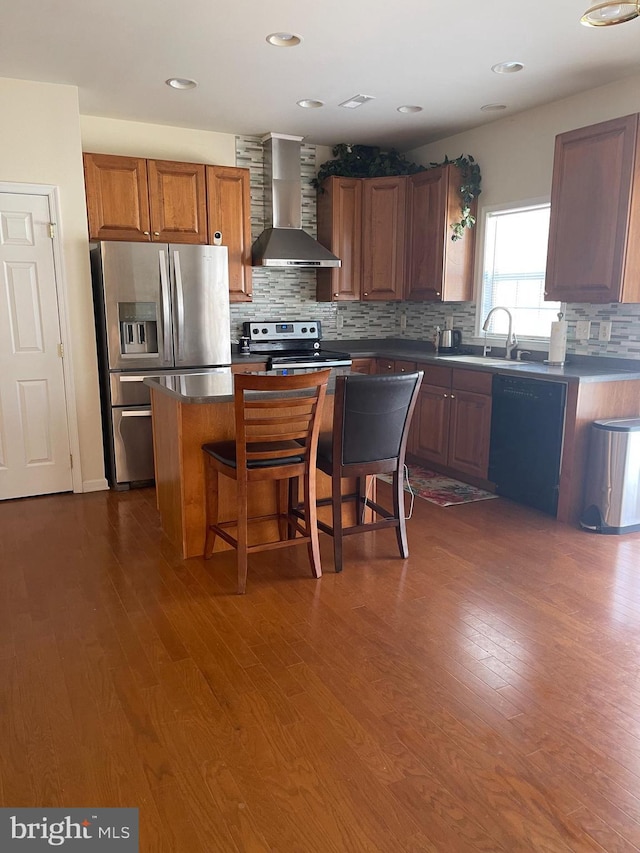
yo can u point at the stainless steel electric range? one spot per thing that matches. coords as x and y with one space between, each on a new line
296 344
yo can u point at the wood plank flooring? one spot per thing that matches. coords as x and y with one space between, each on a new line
482 695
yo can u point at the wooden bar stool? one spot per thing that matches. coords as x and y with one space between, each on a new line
277 421
371 419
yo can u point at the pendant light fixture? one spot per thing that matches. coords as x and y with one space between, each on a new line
609 13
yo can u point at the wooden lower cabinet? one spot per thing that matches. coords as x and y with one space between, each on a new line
386 365
452 423
429 435
363 365
249 367
470 432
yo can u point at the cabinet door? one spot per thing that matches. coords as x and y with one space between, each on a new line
469 432
383 238
426 207
430 431
339 209
438 268
117 198
593 176
178 201
229 207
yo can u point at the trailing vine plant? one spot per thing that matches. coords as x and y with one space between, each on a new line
369 161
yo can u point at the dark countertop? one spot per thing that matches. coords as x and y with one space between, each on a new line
214 385
575 369
211 386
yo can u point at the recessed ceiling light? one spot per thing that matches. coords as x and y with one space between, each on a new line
310 104
357 101
493 108
608 14
509 67
409 108
181 83
283 39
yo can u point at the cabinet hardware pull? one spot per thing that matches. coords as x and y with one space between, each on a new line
365 294
146 233
445 396
437 293
453 396
336 295
156 233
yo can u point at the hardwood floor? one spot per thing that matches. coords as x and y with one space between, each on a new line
482 695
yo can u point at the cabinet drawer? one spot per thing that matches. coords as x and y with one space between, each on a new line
362 365
472 380
435 375
404 366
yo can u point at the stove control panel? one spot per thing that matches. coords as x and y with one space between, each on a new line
306 330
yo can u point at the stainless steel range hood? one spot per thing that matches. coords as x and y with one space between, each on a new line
283 243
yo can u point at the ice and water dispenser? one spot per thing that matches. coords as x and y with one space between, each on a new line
138 327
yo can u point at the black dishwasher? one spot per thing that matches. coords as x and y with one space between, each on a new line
527 424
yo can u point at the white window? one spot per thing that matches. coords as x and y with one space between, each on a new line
513 270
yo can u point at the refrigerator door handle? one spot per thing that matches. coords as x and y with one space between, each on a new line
136 413
179 305
165 296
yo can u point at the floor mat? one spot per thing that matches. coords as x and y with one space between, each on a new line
440 490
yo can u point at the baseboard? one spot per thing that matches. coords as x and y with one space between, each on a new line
100 485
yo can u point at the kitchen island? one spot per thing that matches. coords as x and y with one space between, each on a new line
189 410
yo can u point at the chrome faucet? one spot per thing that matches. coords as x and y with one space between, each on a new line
512 341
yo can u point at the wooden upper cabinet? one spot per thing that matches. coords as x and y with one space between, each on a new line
439 269
177 201
383 238
594 231
339 210
117 197
129 198
229 205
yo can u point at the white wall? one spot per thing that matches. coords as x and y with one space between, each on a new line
40 144
156 141
516 153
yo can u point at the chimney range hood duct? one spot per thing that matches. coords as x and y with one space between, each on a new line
283 243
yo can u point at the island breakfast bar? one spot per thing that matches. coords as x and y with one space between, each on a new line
189 410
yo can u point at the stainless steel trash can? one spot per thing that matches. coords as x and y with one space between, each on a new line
612 494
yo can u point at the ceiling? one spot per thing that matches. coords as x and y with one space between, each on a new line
418 52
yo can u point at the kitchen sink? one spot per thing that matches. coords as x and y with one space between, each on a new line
480 359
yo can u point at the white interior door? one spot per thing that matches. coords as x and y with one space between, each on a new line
34 435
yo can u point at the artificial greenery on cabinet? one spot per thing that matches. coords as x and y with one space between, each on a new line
370 161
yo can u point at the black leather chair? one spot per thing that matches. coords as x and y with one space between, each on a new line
371 422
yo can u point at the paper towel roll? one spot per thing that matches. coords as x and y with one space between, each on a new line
558 342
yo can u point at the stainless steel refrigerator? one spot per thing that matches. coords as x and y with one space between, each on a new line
159 309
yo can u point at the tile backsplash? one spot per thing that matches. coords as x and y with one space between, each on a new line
290 294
